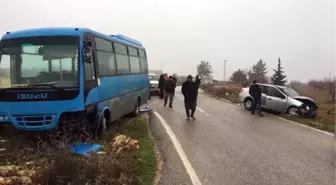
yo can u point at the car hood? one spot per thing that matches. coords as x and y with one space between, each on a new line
303 98
154 82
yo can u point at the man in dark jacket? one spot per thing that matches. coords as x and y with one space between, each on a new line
189 92
175 82
169 90
161 85
255 92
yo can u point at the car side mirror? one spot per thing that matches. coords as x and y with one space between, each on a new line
40 50
88 51
0 54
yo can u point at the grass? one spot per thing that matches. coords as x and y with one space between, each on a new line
146 163
51 162
313 123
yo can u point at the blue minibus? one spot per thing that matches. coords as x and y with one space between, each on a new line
51 77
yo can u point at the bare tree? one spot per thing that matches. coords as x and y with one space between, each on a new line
296 85
315 83
327 84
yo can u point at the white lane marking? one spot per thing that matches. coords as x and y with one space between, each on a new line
199 109
225 100
190 170
289 121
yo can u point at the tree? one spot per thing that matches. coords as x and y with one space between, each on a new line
258 72
278 77
327 84
314 83
296 84
204 70
239 76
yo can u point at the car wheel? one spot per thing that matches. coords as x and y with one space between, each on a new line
310 110
292 111
248 103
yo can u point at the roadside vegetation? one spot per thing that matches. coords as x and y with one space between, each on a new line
322 91
127 158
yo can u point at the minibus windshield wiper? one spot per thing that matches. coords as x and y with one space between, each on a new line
46 85
10 88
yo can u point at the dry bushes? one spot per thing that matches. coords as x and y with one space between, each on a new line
99 169
228 91
51 162
55 166
326 111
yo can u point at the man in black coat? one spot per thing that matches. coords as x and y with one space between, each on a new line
189 91
161 85
175 82
255 92
169 91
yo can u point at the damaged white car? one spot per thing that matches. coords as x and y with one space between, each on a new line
281 99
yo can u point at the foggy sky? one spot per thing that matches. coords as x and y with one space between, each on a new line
178 34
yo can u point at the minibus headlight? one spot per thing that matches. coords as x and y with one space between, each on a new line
3 118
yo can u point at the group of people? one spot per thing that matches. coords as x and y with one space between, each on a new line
167 85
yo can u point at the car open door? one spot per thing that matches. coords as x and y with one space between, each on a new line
264 93
276 100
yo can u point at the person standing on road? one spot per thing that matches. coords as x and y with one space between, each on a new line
198 83
175 79
255 92
161 85
169 89
189 92
175 83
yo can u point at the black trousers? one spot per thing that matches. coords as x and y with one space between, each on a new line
190 106
161 93
256 103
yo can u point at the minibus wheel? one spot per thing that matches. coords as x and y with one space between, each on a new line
136 110
101 127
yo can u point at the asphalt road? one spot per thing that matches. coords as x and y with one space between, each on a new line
228 146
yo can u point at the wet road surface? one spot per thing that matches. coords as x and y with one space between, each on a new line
227 145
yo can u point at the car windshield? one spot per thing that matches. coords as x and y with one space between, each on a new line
153 77
290 92
34 61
